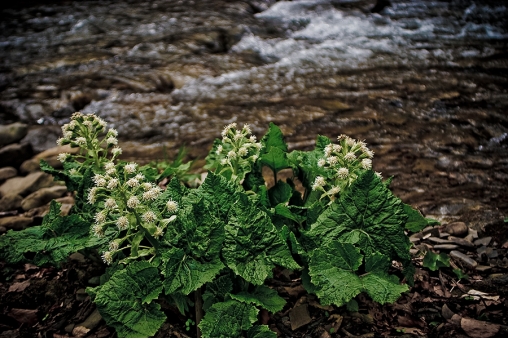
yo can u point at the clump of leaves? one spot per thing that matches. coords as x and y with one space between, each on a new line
223 239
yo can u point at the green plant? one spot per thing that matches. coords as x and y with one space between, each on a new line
216 245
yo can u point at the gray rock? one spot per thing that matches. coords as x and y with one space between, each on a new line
42 137
483 241
446 247
483 268
42 197
14 154
26 185
461 242
12 133
464 259
7 173
479 162
10 202
448 163
16 223
439 240
457 228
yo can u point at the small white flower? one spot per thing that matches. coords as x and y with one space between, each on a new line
149 216
369 153
110 203
122 223
113 183
109 165
60 141
100 217
219 150
379 175
113 246
172 206
337 148
99 180
231 154
132 182
366 164
238 135
224 162
131 168
116 151
92 195
107 257
113 132
139 176
318 183
67 135
112 141
321 162
158 233
81 141
151 194
343 173
255 157
252 138
133 202
341 137
246 129
242 151
73 171
332 160
328 150
350 141
62 157
146 186
98 231
334 190
350 156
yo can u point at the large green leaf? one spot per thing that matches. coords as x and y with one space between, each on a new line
228 319
125 300
262 296
261 331
275 158
217 290
195 239
416 221
369 215
274 138
253 246
280 193
332 271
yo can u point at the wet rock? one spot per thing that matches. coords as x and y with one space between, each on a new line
7 173
26 185
14 154
10 202
12 133
16 223
461 242
42 137
479 162
485 241
464 259
42 197
456 228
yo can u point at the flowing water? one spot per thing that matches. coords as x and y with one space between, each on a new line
425 83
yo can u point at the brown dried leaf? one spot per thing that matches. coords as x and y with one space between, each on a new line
24 316
479 329
19 286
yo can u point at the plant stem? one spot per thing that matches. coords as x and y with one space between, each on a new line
198 305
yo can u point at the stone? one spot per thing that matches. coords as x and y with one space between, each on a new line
7 173
81 294
483 268
479 329
10 202
464 259
26 185
15 154
3 230
34 164
479 162
299 316
16 223
42 197
86 326
457 228
43 137
461 242
439 240
446 247
485 241
446 312
55 151
12 133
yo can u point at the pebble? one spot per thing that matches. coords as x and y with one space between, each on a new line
26 185
483 241
464 259
439 240
483 268
461 242
16 223
446 247
10 202
81 294
15 154
457 228
86 326
42 197
12 133
7 173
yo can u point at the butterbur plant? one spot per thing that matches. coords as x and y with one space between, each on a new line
335 222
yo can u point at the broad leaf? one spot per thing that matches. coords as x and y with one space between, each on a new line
252 245
275 159
416 221
125 300
435 261
280 193
274 138
217 290
261 331
228 319
332 271
262 296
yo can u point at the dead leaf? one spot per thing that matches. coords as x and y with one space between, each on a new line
315 303
294 291
410 322
19 286
477 295
410 330
479 329
29 267
80 331
24 316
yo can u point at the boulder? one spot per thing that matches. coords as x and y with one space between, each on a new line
7 173
42 137
12 133
26 185
16 223
14 154
10 202
42 197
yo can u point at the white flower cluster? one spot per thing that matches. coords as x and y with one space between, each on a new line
341 161
238 149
